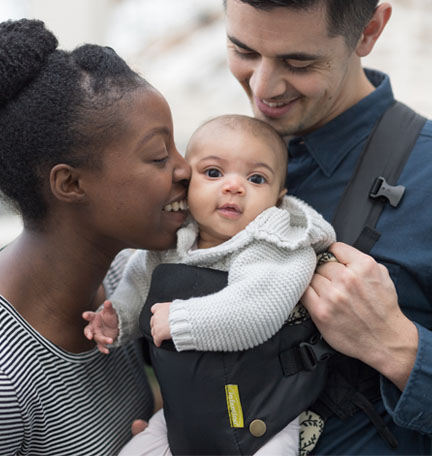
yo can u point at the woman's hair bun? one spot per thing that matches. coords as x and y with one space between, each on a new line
24 48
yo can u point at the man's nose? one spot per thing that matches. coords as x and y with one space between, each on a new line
266 80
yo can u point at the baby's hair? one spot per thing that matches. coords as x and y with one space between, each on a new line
255 127
55 107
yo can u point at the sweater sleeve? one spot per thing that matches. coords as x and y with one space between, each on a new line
265 282
131 293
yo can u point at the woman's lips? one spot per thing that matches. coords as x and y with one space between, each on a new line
274 109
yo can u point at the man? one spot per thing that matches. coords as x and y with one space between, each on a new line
299 62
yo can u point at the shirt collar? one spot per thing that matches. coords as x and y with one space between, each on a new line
331 143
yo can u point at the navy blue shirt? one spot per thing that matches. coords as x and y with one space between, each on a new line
320 166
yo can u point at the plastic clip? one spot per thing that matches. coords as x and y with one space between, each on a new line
380 188
314 351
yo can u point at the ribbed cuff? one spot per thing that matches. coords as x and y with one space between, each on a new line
180 327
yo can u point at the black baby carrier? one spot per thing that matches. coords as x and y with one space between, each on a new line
230 402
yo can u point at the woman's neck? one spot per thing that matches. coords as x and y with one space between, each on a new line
50 280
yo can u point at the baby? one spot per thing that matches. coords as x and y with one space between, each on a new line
241 222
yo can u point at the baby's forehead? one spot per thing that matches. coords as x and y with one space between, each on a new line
220 131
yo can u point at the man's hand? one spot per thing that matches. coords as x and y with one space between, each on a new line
159 323
355 306
102 327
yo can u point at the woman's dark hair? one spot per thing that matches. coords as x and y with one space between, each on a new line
347 18
55 107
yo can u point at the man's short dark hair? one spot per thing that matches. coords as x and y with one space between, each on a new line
347 18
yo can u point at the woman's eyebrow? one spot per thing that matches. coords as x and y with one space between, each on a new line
301 56
164 131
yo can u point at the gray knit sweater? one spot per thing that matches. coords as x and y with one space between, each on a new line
269 264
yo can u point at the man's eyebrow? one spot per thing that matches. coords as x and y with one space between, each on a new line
301 56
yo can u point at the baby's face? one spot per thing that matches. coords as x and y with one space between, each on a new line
235 176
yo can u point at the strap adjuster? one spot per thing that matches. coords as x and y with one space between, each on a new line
380 188
306 356
314 351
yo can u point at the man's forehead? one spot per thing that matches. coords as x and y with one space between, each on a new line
274 28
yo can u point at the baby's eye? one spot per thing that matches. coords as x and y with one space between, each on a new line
257 179
213 173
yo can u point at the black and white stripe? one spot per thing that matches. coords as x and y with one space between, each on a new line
57 403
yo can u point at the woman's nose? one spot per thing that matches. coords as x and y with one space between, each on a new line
181 169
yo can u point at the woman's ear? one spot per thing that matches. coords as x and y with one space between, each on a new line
65 184
373 29
281 195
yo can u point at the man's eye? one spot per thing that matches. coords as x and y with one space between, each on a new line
296 69
257 179
244 54
213 173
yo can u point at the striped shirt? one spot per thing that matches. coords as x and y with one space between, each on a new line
53 402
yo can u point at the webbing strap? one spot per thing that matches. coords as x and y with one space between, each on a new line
384 156
373 185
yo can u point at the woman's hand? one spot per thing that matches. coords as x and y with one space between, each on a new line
102 327
159 323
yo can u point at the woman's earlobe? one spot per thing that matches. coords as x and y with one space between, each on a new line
373 29
65 184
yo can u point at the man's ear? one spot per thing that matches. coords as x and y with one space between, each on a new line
65 184
281 195
373 30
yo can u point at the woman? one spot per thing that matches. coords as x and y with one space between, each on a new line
87 157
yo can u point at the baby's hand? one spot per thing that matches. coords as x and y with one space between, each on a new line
159 323
102 327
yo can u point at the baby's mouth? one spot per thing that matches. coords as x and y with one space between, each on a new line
230 209
176 206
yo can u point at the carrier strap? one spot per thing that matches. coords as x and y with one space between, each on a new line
374 181
353 385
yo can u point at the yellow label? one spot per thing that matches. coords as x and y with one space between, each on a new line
235 411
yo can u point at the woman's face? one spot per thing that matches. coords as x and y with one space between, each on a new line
131 196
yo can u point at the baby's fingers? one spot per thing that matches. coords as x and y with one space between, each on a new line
88 332
107 305
103 349
89 316
103 340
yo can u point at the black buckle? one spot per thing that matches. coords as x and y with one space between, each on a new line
380 188
314 351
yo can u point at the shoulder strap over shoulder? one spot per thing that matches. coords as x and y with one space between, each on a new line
374 181
352 385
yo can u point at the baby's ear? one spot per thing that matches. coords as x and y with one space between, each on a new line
281 195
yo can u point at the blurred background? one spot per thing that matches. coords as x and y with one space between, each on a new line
179 46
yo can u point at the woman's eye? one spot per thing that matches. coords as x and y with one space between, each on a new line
161 160
213 173
257 179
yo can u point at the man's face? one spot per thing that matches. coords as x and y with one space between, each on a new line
296 76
